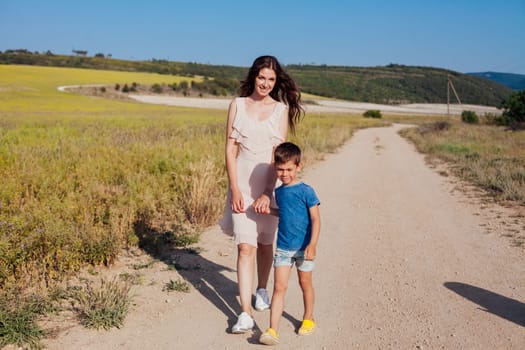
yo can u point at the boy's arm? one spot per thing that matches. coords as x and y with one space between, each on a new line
315 217
272 211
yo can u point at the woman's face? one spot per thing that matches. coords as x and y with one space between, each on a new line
265 81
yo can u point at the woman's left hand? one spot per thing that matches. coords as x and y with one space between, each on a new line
262 204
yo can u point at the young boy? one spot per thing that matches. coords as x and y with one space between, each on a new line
297 236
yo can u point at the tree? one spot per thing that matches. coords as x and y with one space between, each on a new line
514 110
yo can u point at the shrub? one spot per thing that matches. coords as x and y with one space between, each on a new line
104 306
373 113
491 119
177 286
469 117
156 88
514 108
183 85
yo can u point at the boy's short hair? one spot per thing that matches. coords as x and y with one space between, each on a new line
287 151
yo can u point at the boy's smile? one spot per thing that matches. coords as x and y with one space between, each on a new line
287 172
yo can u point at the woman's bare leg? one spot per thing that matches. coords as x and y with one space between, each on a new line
245 274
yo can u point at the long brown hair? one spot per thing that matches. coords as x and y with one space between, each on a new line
285 89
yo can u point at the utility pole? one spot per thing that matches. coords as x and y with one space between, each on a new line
450 85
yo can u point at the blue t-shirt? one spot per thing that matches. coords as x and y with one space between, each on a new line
295 228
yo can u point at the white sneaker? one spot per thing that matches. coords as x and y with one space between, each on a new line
262 302
244 323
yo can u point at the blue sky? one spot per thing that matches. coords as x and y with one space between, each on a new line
461 35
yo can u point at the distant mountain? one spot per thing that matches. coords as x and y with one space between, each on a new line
514 81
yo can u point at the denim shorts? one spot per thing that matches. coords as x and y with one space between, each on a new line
289 257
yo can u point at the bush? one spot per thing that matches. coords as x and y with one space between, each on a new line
373 113
514 110
156 88
491 119
104 306
469 117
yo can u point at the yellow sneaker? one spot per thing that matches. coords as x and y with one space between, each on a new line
307 327
269 337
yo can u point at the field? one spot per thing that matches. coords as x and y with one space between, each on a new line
488 156
84 176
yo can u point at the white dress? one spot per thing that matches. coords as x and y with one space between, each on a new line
256 139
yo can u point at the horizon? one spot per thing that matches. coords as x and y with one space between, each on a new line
461 36
288 64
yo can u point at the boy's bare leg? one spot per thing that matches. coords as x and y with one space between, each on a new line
245 273
264 264
305 281
281 276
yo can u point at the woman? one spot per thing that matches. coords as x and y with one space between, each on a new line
258 121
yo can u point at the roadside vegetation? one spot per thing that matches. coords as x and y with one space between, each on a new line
485 154
84 177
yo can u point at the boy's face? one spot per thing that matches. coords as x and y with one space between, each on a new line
287 172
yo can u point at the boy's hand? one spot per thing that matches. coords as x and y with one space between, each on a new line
270 211
310 252
262 204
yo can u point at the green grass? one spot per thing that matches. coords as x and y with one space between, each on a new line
177 286
105 305
18 314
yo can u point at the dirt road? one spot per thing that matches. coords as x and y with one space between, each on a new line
326 105
404 262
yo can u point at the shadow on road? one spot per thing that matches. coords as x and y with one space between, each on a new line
204 275
507 308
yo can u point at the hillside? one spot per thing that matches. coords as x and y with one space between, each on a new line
513 81
392 84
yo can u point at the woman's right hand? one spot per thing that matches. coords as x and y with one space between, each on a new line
237 202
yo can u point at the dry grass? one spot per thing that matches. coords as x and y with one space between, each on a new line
81 173
104 305
490 157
